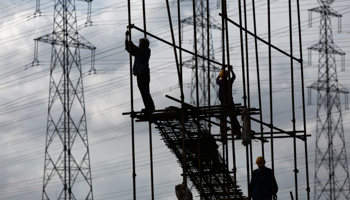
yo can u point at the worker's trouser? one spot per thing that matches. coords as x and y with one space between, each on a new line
143 84
235 129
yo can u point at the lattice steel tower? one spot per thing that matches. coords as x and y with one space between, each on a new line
331 166
67 171
204 45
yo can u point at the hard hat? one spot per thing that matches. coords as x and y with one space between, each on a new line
260 161
146 40
227 74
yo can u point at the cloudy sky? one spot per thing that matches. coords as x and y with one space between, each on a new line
24 90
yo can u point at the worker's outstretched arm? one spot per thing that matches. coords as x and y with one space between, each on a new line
230 68
129 44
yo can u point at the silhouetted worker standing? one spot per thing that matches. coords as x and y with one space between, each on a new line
263 185
141 69
225 96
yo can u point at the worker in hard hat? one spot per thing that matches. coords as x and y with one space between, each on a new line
142 53
183 192
263 185
225 81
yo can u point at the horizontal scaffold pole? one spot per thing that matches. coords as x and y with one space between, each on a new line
260 39
171 44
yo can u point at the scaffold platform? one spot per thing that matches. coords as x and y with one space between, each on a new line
195 147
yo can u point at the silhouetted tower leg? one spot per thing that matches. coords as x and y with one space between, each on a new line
67 171
331 166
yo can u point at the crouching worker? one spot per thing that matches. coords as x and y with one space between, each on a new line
225 96
141 69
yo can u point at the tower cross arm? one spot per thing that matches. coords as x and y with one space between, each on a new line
326 10
212 25
321 47
335 87
79 41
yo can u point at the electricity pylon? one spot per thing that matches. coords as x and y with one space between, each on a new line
67 170
331 166
204 41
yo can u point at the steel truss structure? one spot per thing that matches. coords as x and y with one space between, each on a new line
67 170
331 165
212 172
203 46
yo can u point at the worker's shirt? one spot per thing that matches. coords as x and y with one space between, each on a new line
263 184
224 89
142 56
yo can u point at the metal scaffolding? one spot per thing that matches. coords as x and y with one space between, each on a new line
213 173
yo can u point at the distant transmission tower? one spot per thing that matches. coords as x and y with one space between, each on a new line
203 43
67 171
331 166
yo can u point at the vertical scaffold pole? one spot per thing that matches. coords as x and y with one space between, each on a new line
303 102
151 158
179 72
292 95
195 49
246 98
259 97
132 109
270 87
149 123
